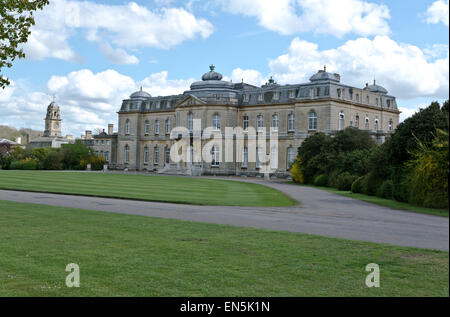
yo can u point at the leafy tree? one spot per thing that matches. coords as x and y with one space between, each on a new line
73 154
351 139
16 19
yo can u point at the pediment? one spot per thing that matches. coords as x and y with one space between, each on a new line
191 100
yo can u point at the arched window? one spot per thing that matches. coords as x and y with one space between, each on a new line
127 126
275 122
357 121
147 127
366 123
190 122
245 122
290 156
259 155
376 125
216 121
390 126
367 99
168 126
156 155
274 157
127 153
341 121
245 157
312 122
167 155
260 122
156 126
215 154
291 122
146 154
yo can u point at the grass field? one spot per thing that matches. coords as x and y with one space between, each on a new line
125 255
384 202
200 191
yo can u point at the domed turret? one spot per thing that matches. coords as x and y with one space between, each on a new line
140 94
376 88
212 80
323 75
212 75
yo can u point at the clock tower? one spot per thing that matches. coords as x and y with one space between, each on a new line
52 121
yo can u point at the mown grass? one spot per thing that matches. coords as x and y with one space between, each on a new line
126 255
200 191
383 202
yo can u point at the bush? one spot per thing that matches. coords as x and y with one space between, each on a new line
296 172
370 184
321 180
345 180
357 185
23 165
386 190
332 180
53 161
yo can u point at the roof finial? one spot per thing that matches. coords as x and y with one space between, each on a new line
374 82
242 80
141 88
324 68
212 67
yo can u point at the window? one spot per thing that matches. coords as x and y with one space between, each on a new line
127 153
339 92
107 156
274 157
312 122
156 126
259 155
357 121
216 122
350 91
376 101
276 95
390 126
357 97
103 142
146 154
246 97
291 122
108 142
260 97
367 99
292 94
156 155
245 122
168 126
290 156
215 154
245 157
388 102
127 126
167 155
341 121
158 104
275 122
147 127
260 122
190 122
366 123
375 125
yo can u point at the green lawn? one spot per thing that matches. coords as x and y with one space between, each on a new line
199 191
125 255
383 202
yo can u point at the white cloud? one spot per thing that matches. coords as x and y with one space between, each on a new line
127 26
404 69
406 113
320 16
250 76
158 84
437 12
118 55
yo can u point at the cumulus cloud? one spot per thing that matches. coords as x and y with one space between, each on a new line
404 69
118 55
437 12
158 84
321 16
127 26
250 76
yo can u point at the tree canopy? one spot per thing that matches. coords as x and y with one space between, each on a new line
16 19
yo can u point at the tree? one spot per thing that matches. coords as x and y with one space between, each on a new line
16 19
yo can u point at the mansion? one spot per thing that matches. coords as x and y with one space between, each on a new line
295 111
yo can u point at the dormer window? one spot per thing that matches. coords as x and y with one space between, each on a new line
388 102
246 97
276 95
260 97
292 94
376 101
367 99
339 92
317 91
158 104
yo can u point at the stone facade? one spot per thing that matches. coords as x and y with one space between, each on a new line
322 105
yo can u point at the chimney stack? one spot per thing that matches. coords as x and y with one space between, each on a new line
88 134
110 128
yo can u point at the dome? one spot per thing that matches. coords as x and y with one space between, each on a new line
211 75
140 94
323 75
377 88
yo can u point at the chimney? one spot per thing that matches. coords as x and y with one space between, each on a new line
110 128
88 134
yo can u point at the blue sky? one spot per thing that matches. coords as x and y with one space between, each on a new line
91 54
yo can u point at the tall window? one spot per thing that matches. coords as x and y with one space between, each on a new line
274 157
390 125
215 154
156 126
291 122
147 127
107 156
259 155
190 122
260 122
156 155
357 121
216 122
127 126
376 101
388 102
367 99
376 125
245 122
167 155
260 97
312 122
341 121
276 95
290 156
168 126
339 93
246 97
146 154
366 123
127 153
245 157
275 122
291 93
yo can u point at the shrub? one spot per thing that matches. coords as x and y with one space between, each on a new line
296 172
97 163
386 190
23 165
321 180
357 185
370 184
332 180
53 161
345 180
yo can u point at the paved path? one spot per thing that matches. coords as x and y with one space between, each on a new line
320 213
